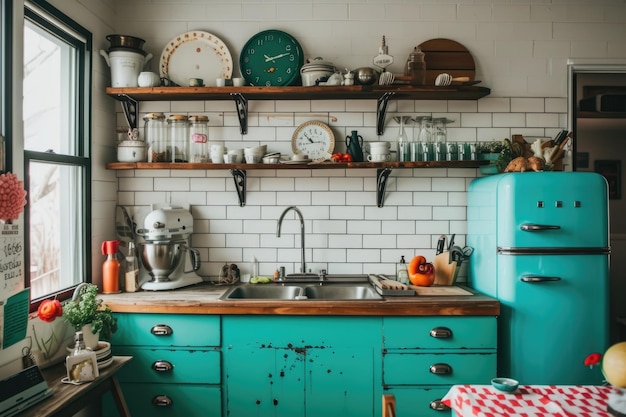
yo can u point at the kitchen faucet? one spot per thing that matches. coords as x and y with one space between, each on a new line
302 259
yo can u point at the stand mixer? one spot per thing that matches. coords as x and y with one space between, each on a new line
166 231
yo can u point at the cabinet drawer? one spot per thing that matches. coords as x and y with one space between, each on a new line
168 400
440 332
419 402
456 368
170 366
167 330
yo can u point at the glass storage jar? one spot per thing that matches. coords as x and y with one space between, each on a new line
178 133
154 135
199 139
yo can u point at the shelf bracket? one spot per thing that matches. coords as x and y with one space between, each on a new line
131 109
381 185
242 111
239 176
381 111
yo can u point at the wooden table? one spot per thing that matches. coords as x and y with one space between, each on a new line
67 399
529 401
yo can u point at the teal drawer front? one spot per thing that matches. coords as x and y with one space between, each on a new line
173 366
445 332
167 330
168 400
416 369
419 402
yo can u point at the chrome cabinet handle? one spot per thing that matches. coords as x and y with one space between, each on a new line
440 369
162 366
531 227
161 330
537 278
441 333
437 405
162 401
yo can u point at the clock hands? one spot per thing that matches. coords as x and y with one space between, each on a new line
272 58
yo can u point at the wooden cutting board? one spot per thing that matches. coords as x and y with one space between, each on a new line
445 55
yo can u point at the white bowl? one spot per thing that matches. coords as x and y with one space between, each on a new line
309 78
262 149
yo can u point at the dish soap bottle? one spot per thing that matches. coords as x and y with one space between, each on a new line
402 274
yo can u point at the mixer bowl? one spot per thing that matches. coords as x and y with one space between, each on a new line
161 258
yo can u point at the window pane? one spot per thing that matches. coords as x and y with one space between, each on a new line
56 234
49 92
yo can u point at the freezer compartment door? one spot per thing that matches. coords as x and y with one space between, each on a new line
554 313
541 209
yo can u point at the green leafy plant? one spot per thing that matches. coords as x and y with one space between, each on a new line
503 148
85 308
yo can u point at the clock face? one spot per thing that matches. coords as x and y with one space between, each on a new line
314 139
271 58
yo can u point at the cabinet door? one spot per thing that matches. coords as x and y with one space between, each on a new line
264 382
420 402
340 382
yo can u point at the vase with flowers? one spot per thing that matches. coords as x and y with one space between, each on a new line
48 346
86 313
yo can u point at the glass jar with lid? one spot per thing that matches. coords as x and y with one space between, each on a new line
154 135
199 139
178 134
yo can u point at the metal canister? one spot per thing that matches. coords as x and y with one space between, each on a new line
154 135
199 139
178 138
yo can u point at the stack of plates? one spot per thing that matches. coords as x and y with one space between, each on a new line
104 356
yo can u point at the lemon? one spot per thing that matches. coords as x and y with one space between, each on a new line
614 365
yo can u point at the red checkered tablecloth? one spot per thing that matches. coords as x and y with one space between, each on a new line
529 401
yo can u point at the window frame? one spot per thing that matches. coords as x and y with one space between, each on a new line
40 13
6 87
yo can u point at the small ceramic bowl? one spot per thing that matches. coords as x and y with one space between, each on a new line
505 384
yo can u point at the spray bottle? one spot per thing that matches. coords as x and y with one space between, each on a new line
110 267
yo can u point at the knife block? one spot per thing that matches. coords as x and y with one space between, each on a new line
445 272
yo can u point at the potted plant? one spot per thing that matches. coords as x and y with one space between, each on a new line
85 310
499 154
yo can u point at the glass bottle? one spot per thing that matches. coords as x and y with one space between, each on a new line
131 270
416 67
154 135
402 142
199 139
425 138
402 274
79 344
178 134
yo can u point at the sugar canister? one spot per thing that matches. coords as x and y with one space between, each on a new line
154 129
199 139
178 132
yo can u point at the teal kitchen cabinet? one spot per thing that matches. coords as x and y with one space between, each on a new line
424 356
176 365
302 365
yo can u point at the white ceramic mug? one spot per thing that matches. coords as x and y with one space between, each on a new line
217 157
253 158
379 157
230 158
148 79
217 148
220 82
238 82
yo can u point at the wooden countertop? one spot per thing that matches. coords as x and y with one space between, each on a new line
204 299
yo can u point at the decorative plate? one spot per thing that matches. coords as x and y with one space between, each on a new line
196 54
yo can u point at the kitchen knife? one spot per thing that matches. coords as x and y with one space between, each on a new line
440 244
560 137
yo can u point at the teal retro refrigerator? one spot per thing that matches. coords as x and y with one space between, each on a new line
541 247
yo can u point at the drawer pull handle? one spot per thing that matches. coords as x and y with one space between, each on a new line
162 366
440 369
438 405
161 330
441 333
162 401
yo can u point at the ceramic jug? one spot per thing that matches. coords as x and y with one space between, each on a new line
354 144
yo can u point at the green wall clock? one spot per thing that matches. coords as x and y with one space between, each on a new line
271 58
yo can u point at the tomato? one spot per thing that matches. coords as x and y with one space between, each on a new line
421 273
346 157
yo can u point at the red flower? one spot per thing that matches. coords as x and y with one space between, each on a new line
593 359
49 310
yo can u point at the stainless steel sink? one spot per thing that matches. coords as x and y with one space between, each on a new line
311 291
341 292
262 292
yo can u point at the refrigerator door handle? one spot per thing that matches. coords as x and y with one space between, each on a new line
537 278
531 227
